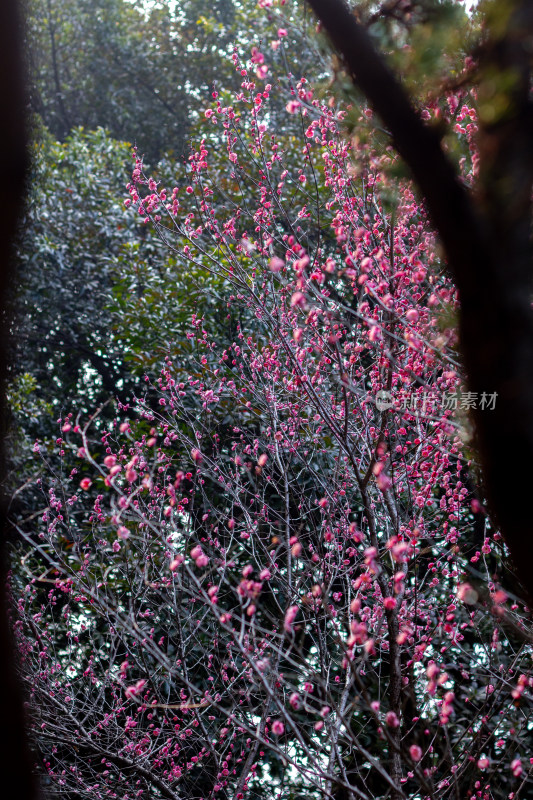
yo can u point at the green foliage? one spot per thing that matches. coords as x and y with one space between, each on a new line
125 67
74 231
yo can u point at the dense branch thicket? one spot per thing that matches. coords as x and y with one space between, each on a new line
270 575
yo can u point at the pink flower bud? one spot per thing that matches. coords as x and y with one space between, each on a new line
383 481
297 335
196 455
134 690
298 300
432 670
290 616
467 594
415 752
295 700
275 264
176 561
292 106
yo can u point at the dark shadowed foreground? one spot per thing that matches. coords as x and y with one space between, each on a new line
15 761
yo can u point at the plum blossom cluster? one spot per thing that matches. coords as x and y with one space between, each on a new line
269 584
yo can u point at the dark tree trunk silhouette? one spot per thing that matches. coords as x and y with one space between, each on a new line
486 235
15 760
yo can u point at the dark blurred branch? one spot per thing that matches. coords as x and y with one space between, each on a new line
15 760
486 237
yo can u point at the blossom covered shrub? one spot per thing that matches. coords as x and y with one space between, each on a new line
273 577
